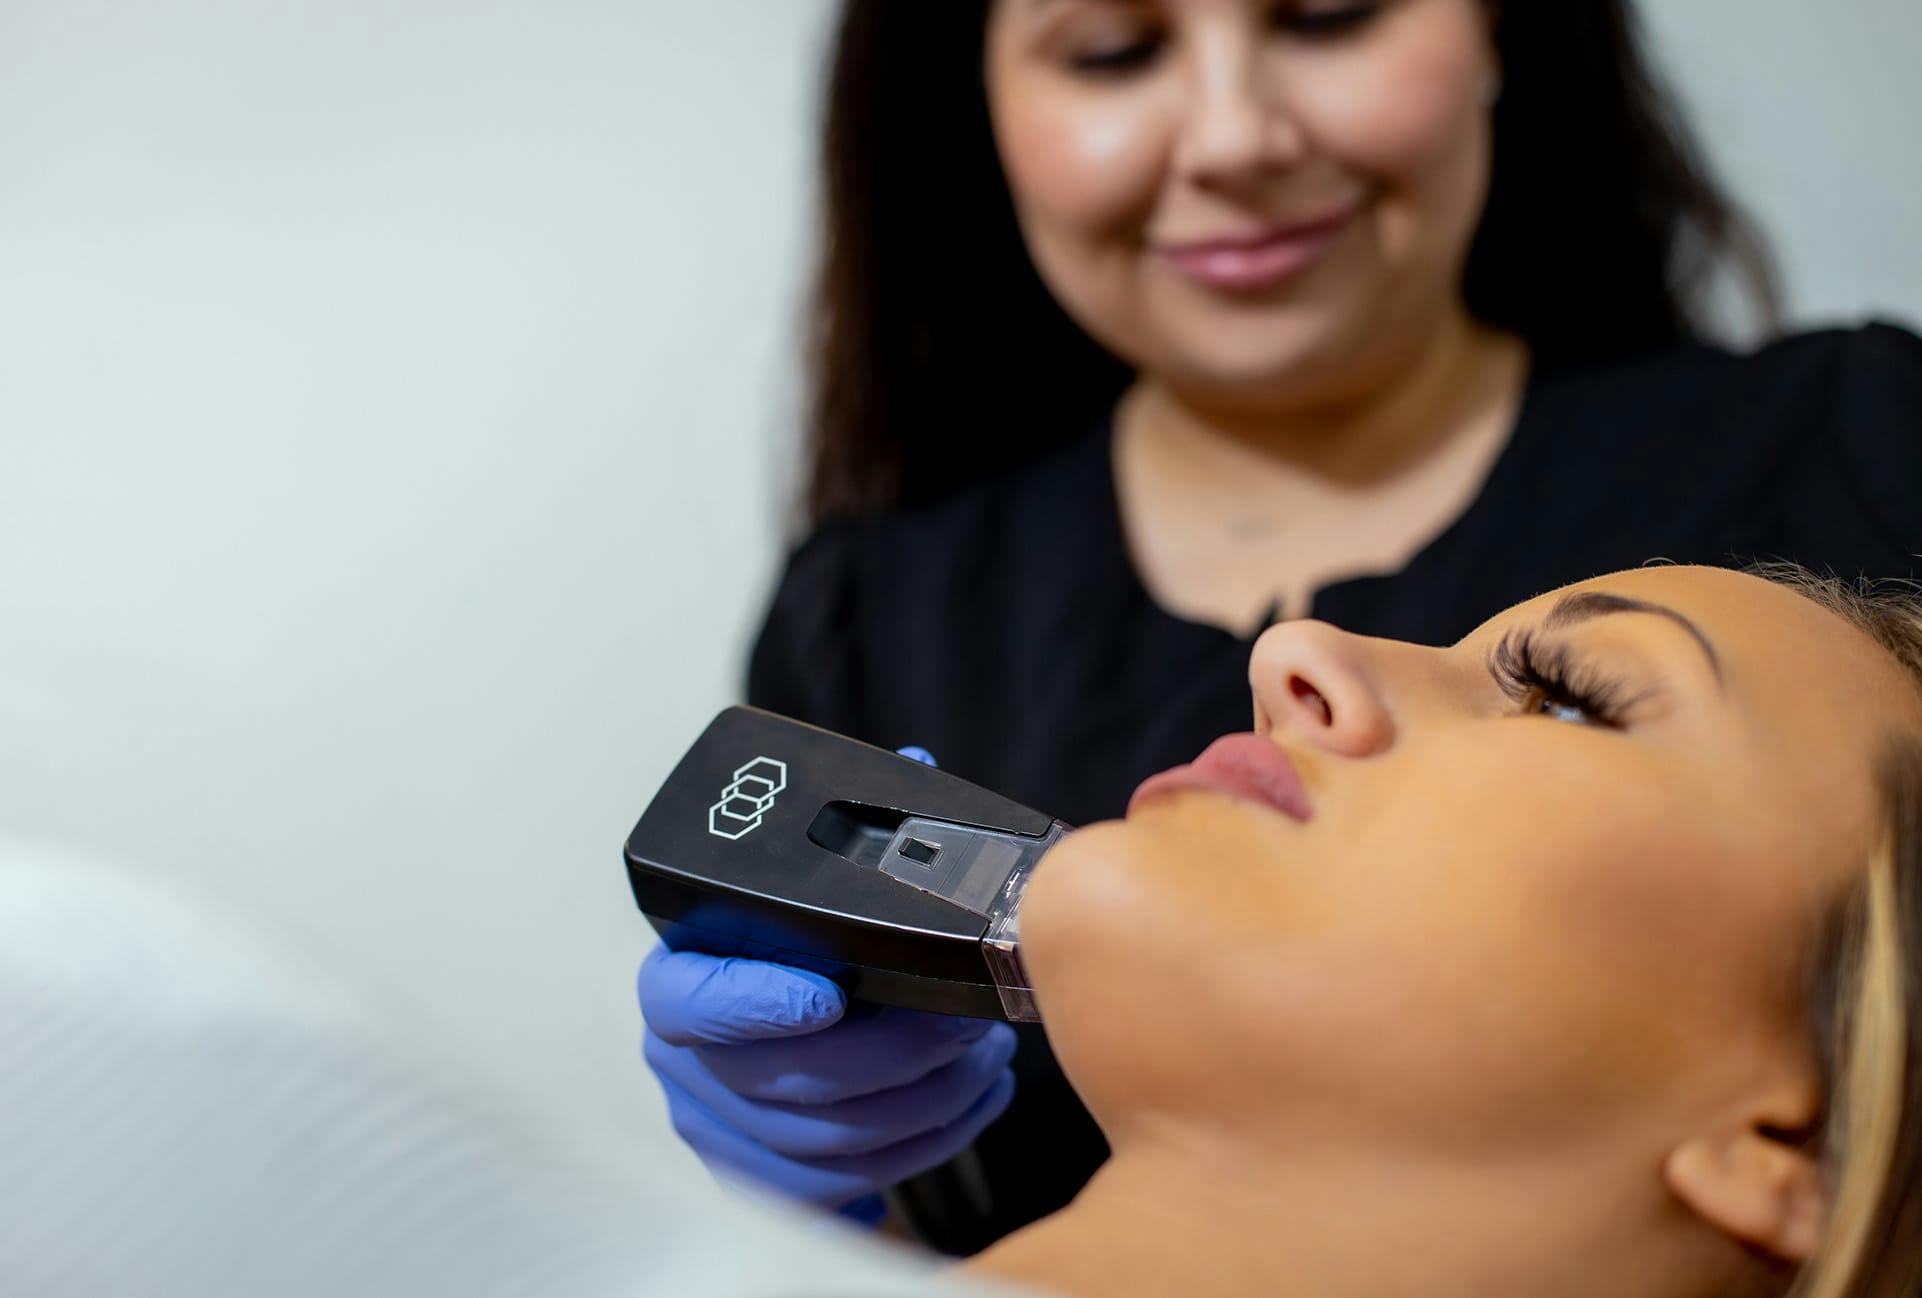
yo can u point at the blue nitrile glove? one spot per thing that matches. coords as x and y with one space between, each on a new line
770 1076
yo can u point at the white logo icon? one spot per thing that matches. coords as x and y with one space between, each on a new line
749 798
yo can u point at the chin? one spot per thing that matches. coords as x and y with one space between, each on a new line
1079 900
1080 923
1278 358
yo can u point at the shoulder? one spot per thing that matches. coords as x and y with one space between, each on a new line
1872 397
1814 434
1841 407
1863 385
1818 370
1874 423
1877 350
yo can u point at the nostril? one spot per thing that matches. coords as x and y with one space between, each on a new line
1311 698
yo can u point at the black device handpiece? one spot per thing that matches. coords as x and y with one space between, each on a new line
782 841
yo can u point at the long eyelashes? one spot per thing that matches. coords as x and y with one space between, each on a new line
1547 678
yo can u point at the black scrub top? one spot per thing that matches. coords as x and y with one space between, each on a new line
1005 629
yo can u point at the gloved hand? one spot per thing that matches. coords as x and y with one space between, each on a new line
770 1076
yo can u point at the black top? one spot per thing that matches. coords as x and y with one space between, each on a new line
1005 629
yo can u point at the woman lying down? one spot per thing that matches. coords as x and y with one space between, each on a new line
1579 958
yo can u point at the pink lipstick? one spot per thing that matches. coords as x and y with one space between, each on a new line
1260 259
1246 766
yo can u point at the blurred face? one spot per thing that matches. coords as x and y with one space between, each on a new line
1552 886
1246 197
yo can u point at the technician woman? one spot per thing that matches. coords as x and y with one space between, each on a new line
1143 324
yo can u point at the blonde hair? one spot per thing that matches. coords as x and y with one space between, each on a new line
1866 1000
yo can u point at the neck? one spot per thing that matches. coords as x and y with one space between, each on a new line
1460 382
1159 1221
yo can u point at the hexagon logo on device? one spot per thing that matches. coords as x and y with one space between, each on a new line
744 802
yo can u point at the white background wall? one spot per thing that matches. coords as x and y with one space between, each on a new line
1813 114
395 405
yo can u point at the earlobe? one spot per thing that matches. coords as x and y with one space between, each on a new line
1753 1187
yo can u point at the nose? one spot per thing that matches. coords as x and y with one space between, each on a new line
1235 128
1322 685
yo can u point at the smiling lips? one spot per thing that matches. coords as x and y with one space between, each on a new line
1246 766
1259 260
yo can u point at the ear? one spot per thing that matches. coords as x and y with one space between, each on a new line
1755 1184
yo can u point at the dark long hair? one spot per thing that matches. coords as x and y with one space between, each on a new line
939 356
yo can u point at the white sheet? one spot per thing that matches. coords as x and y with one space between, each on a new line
186 1114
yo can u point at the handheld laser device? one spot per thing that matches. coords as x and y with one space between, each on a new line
781 841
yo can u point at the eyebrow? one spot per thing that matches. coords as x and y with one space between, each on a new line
1585 606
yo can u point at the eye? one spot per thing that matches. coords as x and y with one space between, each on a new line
1548 707
1549 681
1117 57
1325 21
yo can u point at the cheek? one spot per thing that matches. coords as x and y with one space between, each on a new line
1409 117
1575 946
1392 116
1091 907
1691 903
1076 164
1084 170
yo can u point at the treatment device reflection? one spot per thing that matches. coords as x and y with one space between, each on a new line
784 842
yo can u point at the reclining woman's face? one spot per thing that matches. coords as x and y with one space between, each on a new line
1551 888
